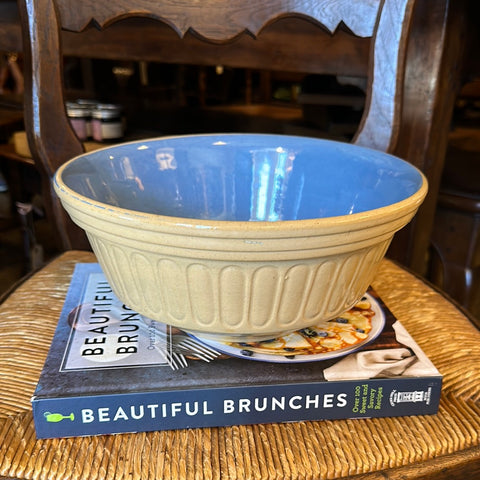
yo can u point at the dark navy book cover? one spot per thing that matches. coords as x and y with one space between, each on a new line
111 370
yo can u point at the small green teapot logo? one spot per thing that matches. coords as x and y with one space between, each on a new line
57 417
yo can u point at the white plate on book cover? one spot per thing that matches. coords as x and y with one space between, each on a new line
262 354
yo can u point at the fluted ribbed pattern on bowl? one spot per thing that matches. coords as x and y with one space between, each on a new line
233 283
229 297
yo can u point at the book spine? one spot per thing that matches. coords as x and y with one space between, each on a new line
225 406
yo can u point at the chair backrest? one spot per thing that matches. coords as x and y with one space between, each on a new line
227 32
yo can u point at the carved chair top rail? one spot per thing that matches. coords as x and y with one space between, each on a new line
237 15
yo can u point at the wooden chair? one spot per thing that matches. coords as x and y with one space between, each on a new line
403 46
408 110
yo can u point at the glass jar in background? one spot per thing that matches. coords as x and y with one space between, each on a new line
90 106
107 122
79 119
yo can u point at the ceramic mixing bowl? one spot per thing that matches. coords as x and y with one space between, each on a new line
239 236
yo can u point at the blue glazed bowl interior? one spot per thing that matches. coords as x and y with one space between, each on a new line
242 177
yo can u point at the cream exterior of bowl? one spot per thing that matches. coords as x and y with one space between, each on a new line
238 280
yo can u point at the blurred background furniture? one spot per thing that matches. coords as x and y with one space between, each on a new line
455 257
293 37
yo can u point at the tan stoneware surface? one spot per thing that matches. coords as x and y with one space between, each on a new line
238 279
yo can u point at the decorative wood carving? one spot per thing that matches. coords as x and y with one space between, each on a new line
219 20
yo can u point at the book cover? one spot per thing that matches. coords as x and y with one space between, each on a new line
111 370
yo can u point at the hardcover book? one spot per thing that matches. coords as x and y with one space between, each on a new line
111 370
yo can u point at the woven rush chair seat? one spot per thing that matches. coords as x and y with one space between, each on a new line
441 446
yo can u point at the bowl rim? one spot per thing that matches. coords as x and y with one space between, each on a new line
203 227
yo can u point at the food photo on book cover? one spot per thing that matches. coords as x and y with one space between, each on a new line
106 333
